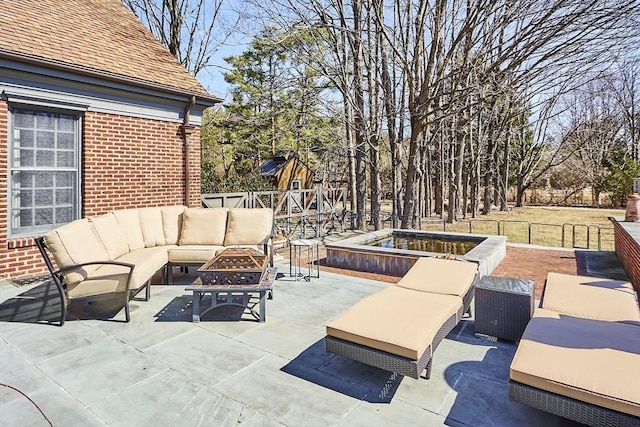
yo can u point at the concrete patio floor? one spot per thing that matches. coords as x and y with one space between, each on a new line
163 370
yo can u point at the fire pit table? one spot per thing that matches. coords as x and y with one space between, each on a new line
232 277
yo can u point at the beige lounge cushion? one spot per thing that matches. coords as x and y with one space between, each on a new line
248 226
203 226
588 360
129 221
591 297
396 320
76 243
110 234
440 276
151 226
171 223
193 254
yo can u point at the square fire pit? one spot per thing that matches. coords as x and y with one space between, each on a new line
234 266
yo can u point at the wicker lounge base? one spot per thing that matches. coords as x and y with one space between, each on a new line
390 362
420 313
567 407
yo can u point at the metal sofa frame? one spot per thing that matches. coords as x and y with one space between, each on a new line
58 279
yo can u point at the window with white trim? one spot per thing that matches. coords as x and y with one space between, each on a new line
44 170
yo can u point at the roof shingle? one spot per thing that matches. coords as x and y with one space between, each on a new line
99 35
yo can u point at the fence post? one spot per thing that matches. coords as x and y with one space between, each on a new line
529 233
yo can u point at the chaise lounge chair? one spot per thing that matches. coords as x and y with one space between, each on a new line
399 327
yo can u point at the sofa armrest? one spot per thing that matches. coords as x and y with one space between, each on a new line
268 249
74 266
118 263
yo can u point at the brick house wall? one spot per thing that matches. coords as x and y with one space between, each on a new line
628 251
127 162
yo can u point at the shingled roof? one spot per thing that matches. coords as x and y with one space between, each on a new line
96 37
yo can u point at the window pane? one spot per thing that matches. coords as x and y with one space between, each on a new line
64 215
64 196
64 179
44 197
23 120
65 159
43 216
66 123
23 198
24 138
45 121
23 159
25 218
45 158
65 141
43 179
45 139
21 179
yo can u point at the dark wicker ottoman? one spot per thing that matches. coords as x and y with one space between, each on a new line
503 307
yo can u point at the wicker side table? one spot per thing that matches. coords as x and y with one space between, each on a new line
503 307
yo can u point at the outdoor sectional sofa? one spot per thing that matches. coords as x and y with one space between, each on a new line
579 356
115 255
399 327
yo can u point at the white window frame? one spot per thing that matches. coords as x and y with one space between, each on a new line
13 230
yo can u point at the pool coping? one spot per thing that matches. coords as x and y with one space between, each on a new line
351 253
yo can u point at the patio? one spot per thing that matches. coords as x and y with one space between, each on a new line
162 369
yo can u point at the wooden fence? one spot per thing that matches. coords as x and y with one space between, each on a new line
297 213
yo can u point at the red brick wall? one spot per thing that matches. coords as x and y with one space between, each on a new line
628 251
127 163
130 163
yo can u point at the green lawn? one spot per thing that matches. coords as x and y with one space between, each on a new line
547 226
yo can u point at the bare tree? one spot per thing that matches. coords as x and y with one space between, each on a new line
192 30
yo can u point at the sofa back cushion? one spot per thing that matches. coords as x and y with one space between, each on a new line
171 223
248 226
205 226
76 243
440 276
110 234
151 226
129 221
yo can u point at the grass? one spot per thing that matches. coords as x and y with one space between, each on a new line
547 226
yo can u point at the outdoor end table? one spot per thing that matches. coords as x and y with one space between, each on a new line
236 294
295 258
503 307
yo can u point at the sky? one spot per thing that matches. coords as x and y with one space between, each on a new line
212 77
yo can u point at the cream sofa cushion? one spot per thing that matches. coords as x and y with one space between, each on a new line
76 243
248 226
396 320
100 282
151 226
147 262
591 297
205 226
588 360
171 223
440 276
112 237
129 221
193 254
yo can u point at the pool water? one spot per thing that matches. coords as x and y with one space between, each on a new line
424 244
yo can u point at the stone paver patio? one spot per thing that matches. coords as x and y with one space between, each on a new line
162 370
